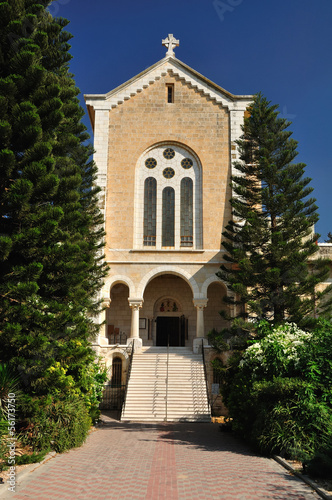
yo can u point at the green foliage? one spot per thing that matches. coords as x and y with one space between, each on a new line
51 231
289 419
329 236
9 383
59 423
93 378
270 239
321 464
51 234
3 443
30 459
278 390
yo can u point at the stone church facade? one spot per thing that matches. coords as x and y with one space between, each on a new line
165 144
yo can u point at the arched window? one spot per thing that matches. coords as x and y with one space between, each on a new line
150 198
168 199
168 217
186 212
116 371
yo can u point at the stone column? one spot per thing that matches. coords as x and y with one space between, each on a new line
200 304
135 305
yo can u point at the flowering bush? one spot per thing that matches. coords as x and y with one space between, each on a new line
279 391
93 378
280 352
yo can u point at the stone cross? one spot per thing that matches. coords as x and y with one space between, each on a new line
170 42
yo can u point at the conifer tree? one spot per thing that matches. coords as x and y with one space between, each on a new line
270 242
50 225
329 236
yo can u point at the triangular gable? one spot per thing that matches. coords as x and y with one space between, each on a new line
174 67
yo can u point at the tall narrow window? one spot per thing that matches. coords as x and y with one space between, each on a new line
150 198
170 92
186 212
168 217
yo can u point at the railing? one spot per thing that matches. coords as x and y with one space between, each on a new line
113 396
128 375
117 338
205 374
167 377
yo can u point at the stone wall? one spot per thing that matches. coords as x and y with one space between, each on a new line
147 119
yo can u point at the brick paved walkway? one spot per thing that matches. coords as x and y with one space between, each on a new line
155 462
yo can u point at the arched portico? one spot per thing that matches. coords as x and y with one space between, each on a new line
136 315
168 313
212 279
114 280
168 269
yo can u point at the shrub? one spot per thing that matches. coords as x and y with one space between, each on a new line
56 422
93 378
30 459
9 382
321 464
289 420
279 393
3 444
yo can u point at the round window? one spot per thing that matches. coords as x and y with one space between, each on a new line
168 173
169 153
186 163
150 163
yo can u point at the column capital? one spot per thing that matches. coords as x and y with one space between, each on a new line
106 302
200 303
135 303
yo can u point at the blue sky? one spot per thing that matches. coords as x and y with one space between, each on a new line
282 48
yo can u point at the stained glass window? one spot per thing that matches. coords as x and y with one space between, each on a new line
186 228
150 163
168 173
150 198
169 153
186 163
168 217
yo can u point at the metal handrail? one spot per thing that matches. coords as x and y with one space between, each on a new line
167 377
128 374
205 374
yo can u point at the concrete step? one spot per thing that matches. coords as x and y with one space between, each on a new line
185 393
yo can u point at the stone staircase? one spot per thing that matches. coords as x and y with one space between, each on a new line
157 392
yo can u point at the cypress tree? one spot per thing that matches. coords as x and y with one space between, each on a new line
51 235
271 264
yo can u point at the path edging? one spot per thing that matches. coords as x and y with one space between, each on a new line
324 494
26 470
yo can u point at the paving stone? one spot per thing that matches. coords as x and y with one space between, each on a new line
159 462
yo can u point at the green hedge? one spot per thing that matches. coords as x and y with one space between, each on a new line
54 422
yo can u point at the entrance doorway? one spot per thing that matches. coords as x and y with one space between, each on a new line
172 330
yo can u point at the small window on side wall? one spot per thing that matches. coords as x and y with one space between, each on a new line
169 92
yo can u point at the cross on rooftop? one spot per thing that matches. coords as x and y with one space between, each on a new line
170 42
